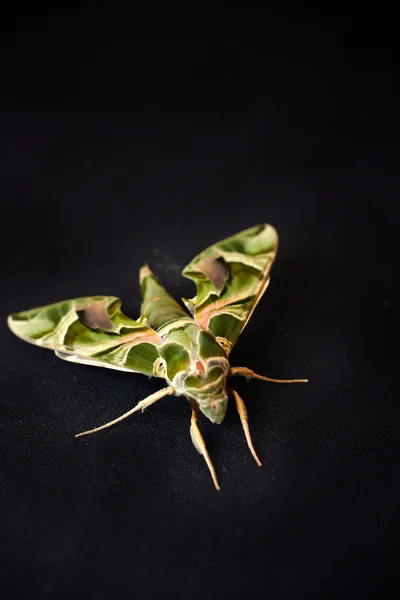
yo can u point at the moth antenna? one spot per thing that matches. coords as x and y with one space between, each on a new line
140 406
241 408
245 372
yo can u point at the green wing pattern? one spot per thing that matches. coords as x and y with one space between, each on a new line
90 330
231 276
158 307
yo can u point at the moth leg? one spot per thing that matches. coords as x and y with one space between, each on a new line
241 408
251 375
200 446
140 406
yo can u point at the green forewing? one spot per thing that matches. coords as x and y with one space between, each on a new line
90 330
158 306
231 277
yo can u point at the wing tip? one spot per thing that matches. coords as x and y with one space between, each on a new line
9 320
270 229
269 233
144 272
12 326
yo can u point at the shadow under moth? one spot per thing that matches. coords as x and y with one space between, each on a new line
188 349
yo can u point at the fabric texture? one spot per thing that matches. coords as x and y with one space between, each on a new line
116 153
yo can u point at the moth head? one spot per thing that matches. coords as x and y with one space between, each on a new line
208 389
215 408
198 370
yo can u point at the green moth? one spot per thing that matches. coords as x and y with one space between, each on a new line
188 349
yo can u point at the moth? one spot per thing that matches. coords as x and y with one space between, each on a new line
189 349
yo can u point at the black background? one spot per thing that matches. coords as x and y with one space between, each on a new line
126 141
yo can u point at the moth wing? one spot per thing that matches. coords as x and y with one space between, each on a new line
90 330
231 276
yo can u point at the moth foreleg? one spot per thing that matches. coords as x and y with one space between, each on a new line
241 408
200 446
245 372
140 406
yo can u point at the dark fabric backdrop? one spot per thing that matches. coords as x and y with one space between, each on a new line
121 146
